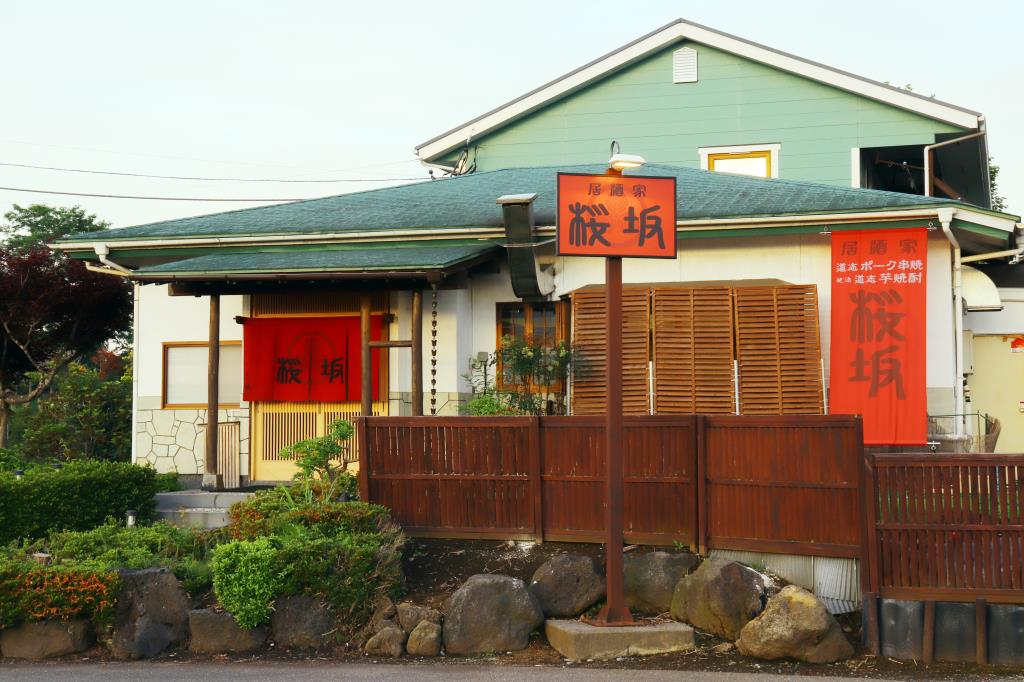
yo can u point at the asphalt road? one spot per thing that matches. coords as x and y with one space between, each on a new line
321 672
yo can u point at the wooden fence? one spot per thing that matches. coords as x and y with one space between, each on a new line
944 527
779 483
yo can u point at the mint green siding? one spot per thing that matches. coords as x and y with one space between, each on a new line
734 102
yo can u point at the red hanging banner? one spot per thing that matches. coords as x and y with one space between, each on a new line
306 359
879 295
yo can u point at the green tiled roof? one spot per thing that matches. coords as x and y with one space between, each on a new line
469 201
414 256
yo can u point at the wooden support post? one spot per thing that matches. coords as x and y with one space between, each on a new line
416 336
614 611
981 631
364 458
872 629
211 477
928 635
366 394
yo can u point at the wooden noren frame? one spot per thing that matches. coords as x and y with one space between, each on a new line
163 375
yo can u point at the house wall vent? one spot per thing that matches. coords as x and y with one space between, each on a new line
684 65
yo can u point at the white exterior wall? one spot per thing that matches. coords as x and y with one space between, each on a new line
174 440
1009 320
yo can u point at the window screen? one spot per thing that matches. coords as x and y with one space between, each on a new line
185 373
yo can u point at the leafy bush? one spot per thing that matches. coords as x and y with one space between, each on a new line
79 496
349 570
115 546
168 482
260 514
246 578
532 379
29 591
316 457
86 415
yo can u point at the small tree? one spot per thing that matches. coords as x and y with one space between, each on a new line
321 461
53 310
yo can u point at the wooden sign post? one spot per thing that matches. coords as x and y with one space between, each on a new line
613 216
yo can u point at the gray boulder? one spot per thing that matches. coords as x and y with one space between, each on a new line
410 615
490 613
424 640
567 585
300 621
795 624
151 615
649 579
217 632
720 597
387 642
383 609
46 639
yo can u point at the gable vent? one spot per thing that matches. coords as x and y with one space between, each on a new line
684 65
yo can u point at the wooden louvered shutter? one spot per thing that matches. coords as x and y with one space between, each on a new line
693 351
588 334
778 349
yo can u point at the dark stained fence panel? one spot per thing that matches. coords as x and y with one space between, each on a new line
946 527
785 484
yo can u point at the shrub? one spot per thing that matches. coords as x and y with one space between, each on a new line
79 496
258 515
246 578
348 570
115 546
168 482
29 592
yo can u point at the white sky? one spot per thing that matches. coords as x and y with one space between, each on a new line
331 89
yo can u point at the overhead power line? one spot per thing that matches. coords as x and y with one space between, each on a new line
135 196
205 179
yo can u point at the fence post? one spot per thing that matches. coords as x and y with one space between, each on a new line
701 475
362 442
536 483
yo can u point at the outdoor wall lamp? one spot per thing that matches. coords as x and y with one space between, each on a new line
620 161
129 518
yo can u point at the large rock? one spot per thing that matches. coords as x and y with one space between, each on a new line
566 585
387 642
46 639
410 615
217 632
649 579
152 613
300 622
720 597
794 624
490 613
425 639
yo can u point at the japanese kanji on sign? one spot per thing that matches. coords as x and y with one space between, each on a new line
878 332
306 359
616 215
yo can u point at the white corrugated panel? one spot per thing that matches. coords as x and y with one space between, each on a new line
684 65
834 581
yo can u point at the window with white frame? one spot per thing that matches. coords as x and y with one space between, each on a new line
185 373
758 160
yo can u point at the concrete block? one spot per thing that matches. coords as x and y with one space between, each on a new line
954 632
579 641
1005 635
901 626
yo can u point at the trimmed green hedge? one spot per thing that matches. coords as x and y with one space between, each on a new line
79 496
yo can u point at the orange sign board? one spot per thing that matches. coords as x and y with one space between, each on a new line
630 216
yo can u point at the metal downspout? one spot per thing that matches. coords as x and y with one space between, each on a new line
946 218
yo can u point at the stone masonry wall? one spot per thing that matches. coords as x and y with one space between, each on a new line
175 440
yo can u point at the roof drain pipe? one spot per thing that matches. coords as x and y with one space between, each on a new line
945 216
928 163
112 268
529 281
